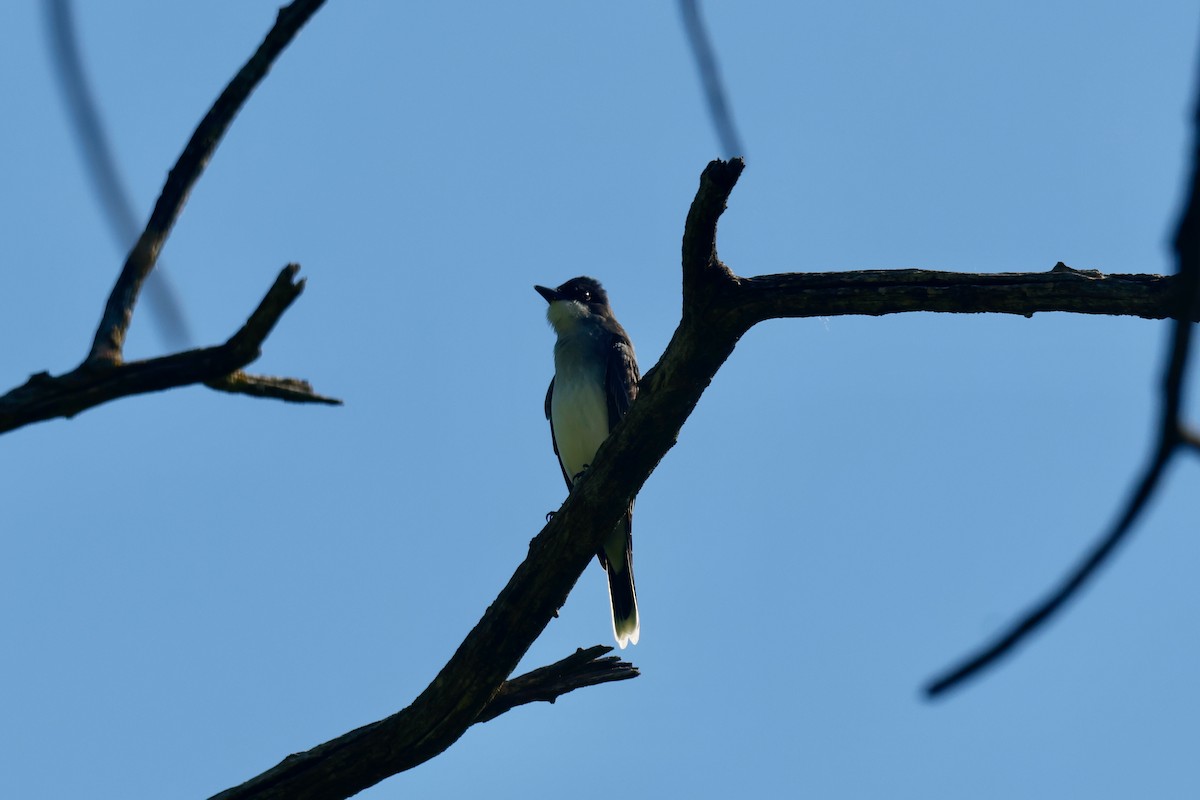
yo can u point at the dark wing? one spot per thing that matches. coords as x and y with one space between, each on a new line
621 388
620 379
550 394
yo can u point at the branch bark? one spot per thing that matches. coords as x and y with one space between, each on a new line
546 684
290 390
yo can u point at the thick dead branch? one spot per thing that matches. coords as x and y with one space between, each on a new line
703 272
110 335
103 375
45 397
878 292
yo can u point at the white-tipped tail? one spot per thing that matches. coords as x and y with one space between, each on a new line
622 596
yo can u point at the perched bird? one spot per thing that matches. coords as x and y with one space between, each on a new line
595 380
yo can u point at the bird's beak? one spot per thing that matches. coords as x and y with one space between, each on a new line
550 294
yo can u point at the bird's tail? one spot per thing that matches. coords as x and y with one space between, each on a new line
621 592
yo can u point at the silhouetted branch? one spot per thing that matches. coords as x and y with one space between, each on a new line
45 397
1041 613
546 684
110 336
710 79
101 164
1183 304
291 390
104 376
719 307
877 292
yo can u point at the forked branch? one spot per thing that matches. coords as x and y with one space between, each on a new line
104 376
45 397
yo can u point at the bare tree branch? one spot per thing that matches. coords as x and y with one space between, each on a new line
45 397
101 165
546 684
110 335
104 376
1183 306
291 390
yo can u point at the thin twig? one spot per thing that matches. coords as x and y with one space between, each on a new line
1035 618
290 390
101 164
110 335
893 291
1184 306
710 79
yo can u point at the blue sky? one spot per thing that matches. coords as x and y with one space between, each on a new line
195 585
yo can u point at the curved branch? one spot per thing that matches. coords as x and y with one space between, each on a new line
704 276
1035 618
110 335
546 684
1182 303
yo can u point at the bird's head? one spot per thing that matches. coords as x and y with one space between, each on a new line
575 301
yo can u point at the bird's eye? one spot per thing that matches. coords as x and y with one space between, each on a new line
587 296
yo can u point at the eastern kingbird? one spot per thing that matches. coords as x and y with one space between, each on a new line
595 380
